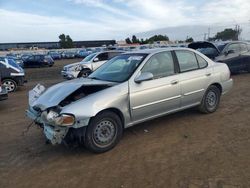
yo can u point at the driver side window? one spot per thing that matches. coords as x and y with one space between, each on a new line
160 65
103 57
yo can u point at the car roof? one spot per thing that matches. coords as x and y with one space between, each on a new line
156 50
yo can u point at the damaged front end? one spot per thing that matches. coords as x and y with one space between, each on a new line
46 109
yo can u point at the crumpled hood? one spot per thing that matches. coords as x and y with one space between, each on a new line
55 94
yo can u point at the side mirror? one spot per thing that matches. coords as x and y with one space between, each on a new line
144 77
96 59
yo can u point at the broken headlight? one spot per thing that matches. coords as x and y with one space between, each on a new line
60 119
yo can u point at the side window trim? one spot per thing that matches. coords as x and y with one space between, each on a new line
196 56
179 63
174 64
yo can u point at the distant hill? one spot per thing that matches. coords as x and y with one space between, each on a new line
195 31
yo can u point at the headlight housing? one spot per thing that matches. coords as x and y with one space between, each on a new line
60 119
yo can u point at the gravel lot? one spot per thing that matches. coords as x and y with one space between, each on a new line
186 149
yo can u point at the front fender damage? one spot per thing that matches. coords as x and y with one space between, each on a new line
56 134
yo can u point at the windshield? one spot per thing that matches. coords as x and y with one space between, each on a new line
13 64
89 57
221 47
119 68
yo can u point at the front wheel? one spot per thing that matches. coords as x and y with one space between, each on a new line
10 85
211 100
103 132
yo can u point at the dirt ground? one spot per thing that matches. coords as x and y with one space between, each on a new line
183 150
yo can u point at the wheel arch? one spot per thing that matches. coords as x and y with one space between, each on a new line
116 111
218 85
9 78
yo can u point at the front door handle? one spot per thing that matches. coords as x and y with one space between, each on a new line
174 82
208 74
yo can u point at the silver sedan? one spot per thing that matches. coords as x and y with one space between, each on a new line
129 89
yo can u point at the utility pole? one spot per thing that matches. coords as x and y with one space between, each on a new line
205 35
238 31
208 33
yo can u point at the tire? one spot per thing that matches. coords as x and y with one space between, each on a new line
104 132
210 100
10 85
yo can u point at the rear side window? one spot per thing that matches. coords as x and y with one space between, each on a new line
160 65
202 62
187 60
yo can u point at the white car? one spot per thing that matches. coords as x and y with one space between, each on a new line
130 88
88 64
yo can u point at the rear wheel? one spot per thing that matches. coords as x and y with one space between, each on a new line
10 85
211 100
103 132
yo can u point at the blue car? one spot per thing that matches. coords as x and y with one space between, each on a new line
38 61
55 55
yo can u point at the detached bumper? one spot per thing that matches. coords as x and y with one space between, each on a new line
227 86
54 134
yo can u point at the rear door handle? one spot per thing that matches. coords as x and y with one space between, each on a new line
174 82
208 74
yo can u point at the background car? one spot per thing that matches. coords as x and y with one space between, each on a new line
235 54
38 61
12 75
82 53
88 64
55 55
68 54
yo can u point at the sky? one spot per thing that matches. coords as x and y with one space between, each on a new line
45 20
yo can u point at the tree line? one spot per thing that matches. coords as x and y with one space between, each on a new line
228 34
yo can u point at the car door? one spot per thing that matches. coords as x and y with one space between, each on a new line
102 58
158 96
38 60
194 77
244 57
29 61
231 56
